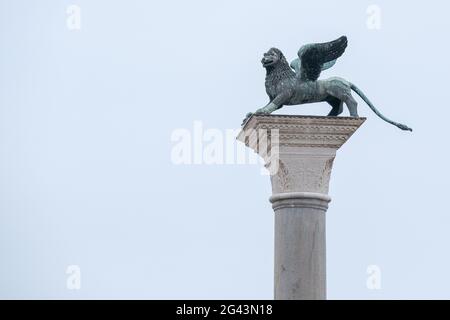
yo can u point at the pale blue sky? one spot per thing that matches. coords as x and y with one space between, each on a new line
86 176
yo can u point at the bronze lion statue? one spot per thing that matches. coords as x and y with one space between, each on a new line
298 82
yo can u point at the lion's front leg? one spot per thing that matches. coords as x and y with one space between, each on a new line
275 104
259 111
268 109
272 106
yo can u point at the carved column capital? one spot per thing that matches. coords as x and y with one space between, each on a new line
299 150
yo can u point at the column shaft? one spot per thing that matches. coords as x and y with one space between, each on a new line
300 255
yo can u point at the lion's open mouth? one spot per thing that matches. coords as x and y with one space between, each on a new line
266 61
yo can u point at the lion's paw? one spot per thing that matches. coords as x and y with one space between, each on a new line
248 115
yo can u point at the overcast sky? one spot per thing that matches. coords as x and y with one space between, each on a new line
91 95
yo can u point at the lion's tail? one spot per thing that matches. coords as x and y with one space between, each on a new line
378 113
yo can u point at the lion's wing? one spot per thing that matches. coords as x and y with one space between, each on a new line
316 57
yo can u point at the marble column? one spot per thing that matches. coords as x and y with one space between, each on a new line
299 152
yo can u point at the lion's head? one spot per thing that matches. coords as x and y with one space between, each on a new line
272 58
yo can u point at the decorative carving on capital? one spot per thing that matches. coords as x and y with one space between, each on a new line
299 173
283 176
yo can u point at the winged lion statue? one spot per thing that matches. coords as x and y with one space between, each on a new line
298 82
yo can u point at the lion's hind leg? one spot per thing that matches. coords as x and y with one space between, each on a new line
340 89
338 106
352 105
